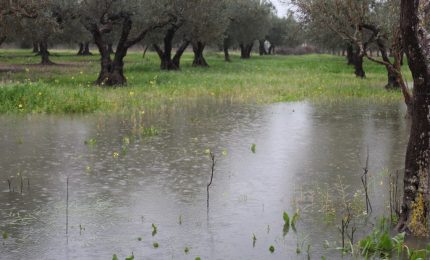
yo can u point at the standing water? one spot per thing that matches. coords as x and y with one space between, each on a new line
127 173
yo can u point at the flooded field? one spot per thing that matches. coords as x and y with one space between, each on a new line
137 183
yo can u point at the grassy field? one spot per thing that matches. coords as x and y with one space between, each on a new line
68 88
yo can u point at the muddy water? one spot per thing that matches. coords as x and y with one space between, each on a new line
122 181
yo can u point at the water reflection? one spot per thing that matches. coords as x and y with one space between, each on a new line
162 179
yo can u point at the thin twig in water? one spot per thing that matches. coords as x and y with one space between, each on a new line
365 184
9 183
22 183
212 176
67 206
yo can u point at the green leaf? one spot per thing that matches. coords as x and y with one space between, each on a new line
253 148
418 255
5 235
286 219
154 229
114 257
385 243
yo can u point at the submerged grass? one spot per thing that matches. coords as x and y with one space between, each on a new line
68 86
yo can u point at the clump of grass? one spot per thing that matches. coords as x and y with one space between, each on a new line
150 131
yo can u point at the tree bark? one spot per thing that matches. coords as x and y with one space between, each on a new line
86 49
2 39
199 59
165 54
245 50
358 64
81 49
44 53
262 48
35 47
179 52
110 48
225 47
414 213
350 54
272 49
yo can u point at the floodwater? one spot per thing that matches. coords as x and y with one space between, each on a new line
121 182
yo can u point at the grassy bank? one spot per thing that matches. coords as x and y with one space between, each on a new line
67 87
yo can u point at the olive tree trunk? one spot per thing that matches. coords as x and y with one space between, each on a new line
350 54
245 50
81 49
262 49
86 49
165 54
414 212
35 47
199 59
2 39
44 53
358 64
225 47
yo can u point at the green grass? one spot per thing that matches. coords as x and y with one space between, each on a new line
68 88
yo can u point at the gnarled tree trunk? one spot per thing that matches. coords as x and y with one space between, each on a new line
2 39
35 47
199 59
272 49
245 50
110 48
414 214
86 49
167 63
81 49
358 64
165 54
262 48
44 53
225 49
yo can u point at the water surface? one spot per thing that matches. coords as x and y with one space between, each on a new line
121 182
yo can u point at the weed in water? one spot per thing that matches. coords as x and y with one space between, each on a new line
154 229
272 249
253 148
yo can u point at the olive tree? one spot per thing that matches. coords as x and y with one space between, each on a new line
133 20
250 21
206 25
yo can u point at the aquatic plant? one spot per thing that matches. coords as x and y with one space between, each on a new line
272 249
154 229
150 131
253 148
